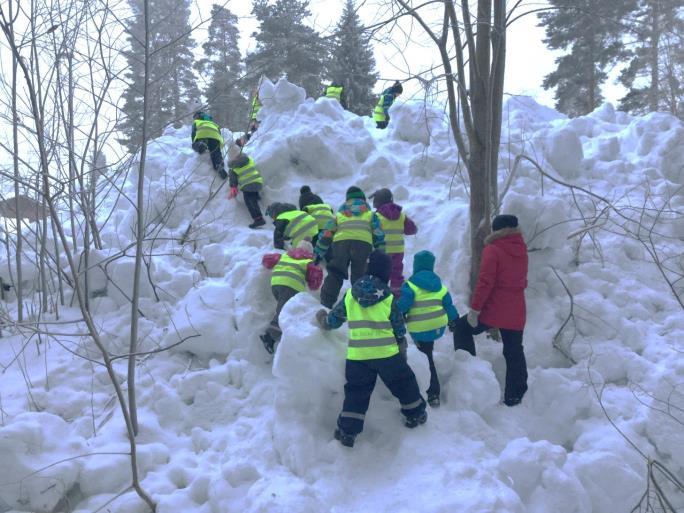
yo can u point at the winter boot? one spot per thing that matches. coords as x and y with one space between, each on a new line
222 173
433 400
259 221
512 401
411 422
269 343
345 438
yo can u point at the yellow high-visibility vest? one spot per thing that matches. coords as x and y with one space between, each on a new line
334 92
300 226
379 111
290 272
354 228
394 233
256 106
205 129
370 331
248 174
427 312
321 212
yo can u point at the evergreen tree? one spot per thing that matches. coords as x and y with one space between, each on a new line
352 63
287 47
653 76
172 86
222 68
592 31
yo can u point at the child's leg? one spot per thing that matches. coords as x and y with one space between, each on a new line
433 390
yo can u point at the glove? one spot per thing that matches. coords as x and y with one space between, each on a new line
494 334
322 319
453 323
233 193
472 318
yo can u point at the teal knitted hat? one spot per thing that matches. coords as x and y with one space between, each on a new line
423 261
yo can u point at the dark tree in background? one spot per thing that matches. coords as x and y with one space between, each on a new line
221 69
286 47
653 76
592 31
351 63
172 85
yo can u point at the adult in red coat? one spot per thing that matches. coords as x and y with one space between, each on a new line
499 302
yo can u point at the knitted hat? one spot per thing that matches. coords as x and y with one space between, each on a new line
198 115
305 245
504 221
397 88
305 189
355 192
423 261
380 265
381 197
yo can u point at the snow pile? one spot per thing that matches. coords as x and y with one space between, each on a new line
225 426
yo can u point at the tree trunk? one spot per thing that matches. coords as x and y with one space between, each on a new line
654 89
479 158
18 287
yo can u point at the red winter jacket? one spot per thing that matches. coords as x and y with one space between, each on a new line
500 291
314 274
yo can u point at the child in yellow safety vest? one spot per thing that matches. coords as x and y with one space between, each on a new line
395 224
245 176
292 272
428 308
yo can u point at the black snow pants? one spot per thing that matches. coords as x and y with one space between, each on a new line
252 203
345 253
361 376
282 295
516 366
426 348
214 152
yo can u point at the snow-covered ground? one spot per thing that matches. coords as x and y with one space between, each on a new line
224 427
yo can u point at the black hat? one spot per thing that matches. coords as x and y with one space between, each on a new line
355 192
198 115
380 265
504 221
397 88
381 197
305 189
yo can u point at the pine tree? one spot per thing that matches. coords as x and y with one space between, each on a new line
653 76
222 68
352 64
172 86
285 46
592 31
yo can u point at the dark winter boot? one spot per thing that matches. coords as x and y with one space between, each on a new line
411 422
345 438
512 401
433 400
259 221
222 173
269 343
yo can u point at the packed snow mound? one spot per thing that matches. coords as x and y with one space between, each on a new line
225 425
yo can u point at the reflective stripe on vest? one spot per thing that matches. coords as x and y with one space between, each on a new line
205 129
334 92
256 105
290 272
370 331
394 233
354 228
300 226
248 174
321 212
379 111
427 312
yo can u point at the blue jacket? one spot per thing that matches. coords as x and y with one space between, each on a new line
427 280
368 290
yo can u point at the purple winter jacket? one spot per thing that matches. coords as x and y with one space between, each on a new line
392 211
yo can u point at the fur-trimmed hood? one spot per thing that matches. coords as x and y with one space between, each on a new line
509 240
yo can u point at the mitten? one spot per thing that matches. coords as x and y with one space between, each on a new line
322 319
233 192
453 323
472 318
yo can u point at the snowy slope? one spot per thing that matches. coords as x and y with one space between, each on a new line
224 427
